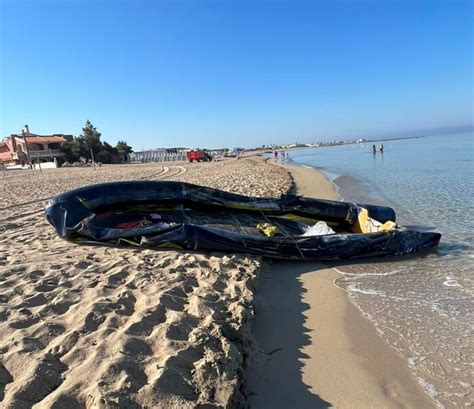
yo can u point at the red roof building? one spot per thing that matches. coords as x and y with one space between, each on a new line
19 150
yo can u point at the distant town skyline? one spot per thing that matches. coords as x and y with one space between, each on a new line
296 139
208 73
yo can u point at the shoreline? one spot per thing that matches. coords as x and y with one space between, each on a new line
321 338
158 306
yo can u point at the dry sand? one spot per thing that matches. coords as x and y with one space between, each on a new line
314 348
102 327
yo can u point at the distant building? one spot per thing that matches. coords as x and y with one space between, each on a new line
19 149
159 155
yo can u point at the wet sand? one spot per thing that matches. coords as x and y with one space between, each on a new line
314 348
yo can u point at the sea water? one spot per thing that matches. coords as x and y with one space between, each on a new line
422 305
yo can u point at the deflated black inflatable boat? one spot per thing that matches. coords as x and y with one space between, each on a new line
184 216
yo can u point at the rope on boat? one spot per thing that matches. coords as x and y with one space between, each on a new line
286 233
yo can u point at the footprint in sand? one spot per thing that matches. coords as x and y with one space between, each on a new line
40 338
4 314
82 265
189 284
69 340
47 286
151 319
45 378
137 348
35 275
29 344
34 301
17 270
65 401
60 307
180 330
165 263
56 267
5 378
174 299
25 319
125 376
117 278
65 283
93 284
125 305
176 375
93 321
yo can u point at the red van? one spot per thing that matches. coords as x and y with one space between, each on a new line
198 155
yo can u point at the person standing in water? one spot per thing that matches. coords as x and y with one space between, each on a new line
374 149
381 148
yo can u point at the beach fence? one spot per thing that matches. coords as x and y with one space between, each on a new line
159 155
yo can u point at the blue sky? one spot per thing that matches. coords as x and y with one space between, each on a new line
235 73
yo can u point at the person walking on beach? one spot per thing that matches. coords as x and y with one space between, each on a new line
381 148
374 149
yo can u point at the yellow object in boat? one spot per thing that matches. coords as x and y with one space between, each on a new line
267 229
387 226
365 224
360 225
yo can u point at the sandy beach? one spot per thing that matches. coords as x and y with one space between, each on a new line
88 326
315 349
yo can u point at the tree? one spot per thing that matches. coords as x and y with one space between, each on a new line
105 157
123 150
68 149
79 148
91 139
108 154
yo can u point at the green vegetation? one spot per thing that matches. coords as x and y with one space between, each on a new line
89 141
